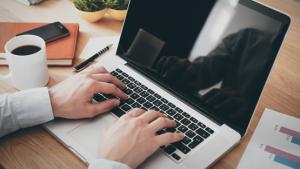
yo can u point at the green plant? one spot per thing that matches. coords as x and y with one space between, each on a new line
117 4
89 5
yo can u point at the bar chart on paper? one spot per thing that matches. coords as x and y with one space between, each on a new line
275 143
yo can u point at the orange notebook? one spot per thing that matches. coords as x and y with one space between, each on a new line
59 52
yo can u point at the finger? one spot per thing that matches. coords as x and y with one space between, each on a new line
108 88
103 106
168 138
109 79
151 115
95 68
134 113
161 123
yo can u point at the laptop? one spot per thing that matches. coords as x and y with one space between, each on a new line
202 63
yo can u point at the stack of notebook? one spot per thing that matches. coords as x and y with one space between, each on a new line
60 52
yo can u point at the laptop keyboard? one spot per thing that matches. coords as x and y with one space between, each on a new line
140 96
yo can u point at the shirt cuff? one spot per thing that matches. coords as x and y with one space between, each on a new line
32 107
107 164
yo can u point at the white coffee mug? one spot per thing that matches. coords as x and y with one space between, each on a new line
26 71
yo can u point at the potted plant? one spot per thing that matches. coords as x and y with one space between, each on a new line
117 9
91 10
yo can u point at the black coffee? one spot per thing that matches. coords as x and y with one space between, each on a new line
26 50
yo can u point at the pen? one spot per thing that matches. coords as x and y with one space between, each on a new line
88 61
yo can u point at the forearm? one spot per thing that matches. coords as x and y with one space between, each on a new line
24 109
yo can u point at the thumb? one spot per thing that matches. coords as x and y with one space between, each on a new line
104 106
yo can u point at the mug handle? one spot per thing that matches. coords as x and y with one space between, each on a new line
4 77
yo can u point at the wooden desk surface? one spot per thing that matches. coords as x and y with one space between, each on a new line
35 148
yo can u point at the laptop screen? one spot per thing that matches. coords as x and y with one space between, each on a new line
214 54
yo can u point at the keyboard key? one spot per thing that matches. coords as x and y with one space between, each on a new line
185 114
171 112
178 117
186 140
198 138
194 144
209 130
157 96
125 81
124 74
131 85
181 147
182 128
128 91
178 110
98 97
118 112
120 77
164 107
164 100
125 107
185 121
131 78
109 96
193 126
160 132
141 100
114 73
119 70
137 83
201 125
148 105
190 134
171 105
150 91
136 105
193 119
202 133
154 108
175 156
150 98
144 94
129 101
138 89
157 103
144 87
170 149
172 130
134 96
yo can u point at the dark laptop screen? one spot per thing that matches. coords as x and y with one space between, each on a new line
214 54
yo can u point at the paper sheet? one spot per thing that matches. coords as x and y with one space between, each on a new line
275 143
94 45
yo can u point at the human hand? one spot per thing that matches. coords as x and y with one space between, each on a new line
72 98
132 139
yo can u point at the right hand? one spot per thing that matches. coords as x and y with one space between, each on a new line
132 139
72 98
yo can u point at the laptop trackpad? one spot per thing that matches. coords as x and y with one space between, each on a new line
88 133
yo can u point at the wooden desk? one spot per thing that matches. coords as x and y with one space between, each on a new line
35 148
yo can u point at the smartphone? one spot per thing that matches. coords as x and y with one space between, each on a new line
49 32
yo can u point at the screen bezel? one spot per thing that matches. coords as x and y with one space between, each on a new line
265 10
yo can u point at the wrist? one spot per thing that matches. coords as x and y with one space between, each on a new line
53 103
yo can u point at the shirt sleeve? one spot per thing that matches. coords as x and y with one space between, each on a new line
107 164
24 109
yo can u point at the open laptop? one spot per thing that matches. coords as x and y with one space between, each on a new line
202 63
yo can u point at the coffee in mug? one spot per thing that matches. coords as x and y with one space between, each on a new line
26 56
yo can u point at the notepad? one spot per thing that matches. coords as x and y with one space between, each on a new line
59 52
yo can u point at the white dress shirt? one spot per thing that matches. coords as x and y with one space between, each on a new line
32 107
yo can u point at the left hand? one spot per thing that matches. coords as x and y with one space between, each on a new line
72 98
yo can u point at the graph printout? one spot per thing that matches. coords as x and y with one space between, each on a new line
275 143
